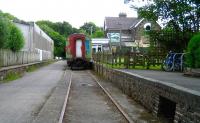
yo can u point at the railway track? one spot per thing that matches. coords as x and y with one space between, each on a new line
83 87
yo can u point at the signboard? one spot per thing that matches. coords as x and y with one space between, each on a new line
114 37
126 1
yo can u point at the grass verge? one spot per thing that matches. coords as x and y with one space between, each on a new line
156 67
31 68
11 76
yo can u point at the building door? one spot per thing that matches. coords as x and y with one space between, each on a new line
78 48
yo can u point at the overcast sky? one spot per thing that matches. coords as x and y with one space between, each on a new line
76 12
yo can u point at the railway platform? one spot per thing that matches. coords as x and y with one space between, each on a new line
168 95
175 79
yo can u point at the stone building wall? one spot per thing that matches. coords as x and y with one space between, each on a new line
139 33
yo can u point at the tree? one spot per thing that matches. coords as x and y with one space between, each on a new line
58 31
10 36
98 34
15 41
4 31
89 27
8 16
59 40
193 55
181 16
184 13
75 30
63 28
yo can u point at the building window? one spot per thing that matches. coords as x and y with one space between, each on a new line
147 27
99 49
94 50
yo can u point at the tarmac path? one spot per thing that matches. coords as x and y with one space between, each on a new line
21 100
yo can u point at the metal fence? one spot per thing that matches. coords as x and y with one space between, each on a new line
9 58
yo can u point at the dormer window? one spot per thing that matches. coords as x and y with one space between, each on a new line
147 27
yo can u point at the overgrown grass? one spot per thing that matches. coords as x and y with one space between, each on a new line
12 76
31 69
16 75
156 67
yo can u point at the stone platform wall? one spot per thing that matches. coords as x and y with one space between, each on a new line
150 93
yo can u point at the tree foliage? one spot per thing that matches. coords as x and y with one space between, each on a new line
58 31
10 36
182 13
8 16
4 31
181 19
59 40
170 39
98 34
63 28
15 41
90 29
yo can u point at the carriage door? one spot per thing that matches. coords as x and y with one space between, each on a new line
78 48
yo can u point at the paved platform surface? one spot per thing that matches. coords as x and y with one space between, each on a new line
22 100
169 77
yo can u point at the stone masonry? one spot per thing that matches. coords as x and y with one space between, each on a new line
149 92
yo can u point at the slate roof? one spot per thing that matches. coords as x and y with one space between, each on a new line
125 23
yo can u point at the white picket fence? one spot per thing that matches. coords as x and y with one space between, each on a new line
9 58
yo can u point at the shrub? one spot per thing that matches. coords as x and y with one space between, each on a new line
193 56
16 40
4 31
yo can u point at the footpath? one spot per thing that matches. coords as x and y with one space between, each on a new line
27 99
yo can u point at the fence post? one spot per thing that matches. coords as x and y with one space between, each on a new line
126 60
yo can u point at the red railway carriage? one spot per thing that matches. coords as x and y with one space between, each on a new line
78 51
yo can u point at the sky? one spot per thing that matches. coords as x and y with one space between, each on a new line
76 12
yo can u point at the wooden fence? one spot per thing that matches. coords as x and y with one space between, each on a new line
9 58
131 59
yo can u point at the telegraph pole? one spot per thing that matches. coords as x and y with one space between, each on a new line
91 28
120 35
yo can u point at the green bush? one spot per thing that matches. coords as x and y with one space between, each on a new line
15 41
4 31
10 36
193 56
